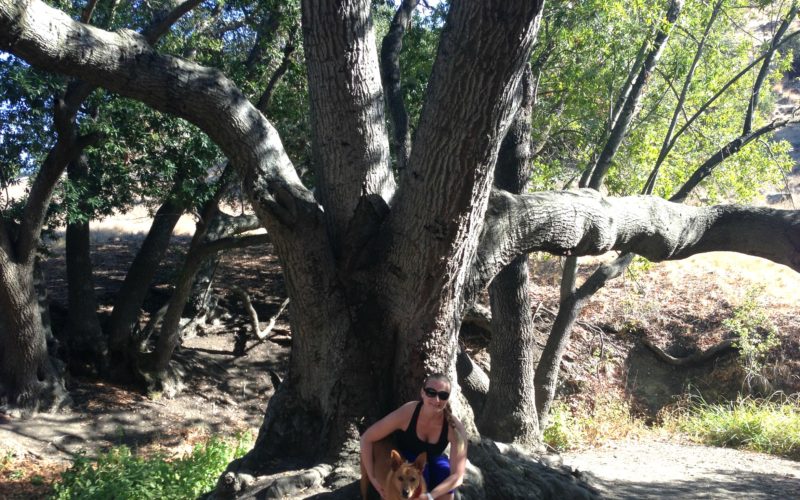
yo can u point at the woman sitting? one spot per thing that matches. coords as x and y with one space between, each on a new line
424 426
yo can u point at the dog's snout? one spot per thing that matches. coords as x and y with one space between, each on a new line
407 493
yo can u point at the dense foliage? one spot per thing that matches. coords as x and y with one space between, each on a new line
584 57
121 473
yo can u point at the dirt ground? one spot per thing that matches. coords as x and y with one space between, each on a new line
656 469
224 394
679 306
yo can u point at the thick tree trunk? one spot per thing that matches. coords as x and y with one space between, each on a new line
28 378
509 413
87 344
434 236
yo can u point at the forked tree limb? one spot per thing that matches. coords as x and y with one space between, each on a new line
165 19
629 110
679 106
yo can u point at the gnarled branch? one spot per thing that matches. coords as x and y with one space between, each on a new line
583 222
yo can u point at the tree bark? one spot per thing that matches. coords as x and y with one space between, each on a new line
351 149
87 344
509 412
128 304
583 222
28 378
433 237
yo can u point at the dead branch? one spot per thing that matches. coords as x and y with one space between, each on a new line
251 312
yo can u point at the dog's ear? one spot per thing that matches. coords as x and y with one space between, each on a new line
419 463
397 460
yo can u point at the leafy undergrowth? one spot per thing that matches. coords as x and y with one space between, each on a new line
768 426
120 473
588 423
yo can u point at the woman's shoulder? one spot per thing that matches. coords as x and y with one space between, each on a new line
408 408
404 412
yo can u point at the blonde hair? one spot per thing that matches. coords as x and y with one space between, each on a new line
460 438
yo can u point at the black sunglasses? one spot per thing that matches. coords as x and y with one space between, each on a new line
432 393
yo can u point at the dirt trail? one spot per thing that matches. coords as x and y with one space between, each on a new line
652 469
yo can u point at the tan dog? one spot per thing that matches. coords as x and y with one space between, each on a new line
402 479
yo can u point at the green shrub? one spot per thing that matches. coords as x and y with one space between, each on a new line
755 333
558 435
591 423
767 426
121 474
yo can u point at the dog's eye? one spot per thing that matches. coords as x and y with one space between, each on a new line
400 478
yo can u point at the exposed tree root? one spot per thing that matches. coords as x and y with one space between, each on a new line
693 359
290 484
169 382
495 471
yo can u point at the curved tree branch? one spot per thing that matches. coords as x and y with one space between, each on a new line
583 222
722 90
729 149
165 19
124 62
288 50
68 144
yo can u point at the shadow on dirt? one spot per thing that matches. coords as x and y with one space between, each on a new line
726 484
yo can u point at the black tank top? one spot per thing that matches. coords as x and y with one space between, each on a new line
409 442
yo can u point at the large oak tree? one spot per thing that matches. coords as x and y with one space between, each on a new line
380 265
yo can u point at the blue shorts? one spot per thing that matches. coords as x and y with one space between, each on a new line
436 470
